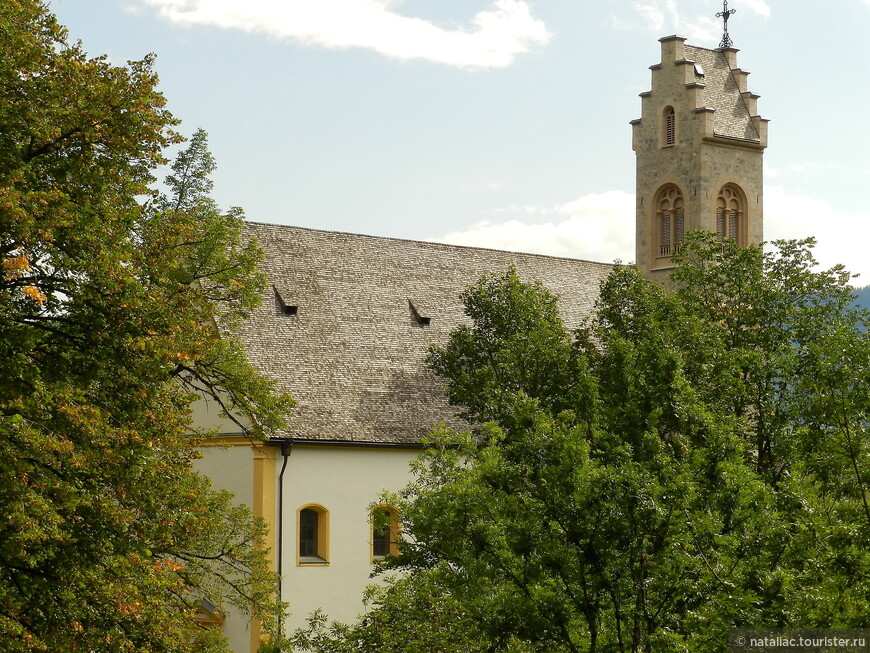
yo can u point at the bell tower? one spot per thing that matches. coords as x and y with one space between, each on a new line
699 144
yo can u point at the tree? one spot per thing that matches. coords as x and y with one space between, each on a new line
690 460
405 615
109 294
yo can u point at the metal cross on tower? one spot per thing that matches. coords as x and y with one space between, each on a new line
725 14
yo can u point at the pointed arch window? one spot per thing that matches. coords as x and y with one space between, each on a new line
730 214
671 221
669 127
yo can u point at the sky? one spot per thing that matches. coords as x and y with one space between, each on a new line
492 123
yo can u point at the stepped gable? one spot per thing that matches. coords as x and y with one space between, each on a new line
732 117
699 146
346 322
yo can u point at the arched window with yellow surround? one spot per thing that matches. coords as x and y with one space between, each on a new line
670 221
312 525
385 531
730 214
669 126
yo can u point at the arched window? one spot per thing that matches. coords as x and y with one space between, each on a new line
669 127
730 214
385 531
671 221
313 528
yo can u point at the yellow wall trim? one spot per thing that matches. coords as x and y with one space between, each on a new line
230 441
264 506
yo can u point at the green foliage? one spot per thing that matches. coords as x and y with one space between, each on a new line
108 538
404 616
691 460
518 344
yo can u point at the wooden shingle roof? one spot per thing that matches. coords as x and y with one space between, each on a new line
732 118
347 319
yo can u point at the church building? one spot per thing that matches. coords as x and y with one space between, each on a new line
347 319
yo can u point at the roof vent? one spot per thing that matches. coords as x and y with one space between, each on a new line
699 70
419 314
283 305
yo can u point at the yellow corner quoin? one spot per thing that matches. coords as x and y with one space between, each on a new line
264 507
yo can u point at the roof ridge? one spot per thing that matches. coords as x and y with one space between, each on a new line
422 242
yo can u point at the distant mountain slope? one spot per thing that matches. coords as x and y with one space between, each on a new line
862 297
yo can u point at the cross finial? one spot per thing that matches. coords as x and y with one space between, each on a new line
725 14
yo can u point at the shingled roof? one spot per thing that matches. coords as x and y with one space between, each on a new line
732 118
347 320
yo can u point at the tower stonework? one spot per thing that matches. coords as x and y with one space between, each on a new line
699 145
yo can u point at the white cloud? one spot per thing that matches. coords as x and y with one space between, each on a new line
600 227
493 38
811 166
760 7
597 227
691 18
842 237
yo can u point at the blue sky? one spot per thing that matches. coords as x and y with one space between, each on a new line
497 123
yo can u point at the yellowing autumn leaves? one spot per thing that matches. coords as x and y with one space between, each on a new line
14 268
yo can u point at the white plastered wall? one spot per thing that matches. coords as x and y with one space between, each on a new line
231 468
346 481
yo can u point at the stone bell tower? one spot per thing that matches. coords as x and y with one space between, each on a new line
699 146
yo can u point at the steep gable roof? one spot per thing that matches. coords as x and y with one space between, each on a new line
347 319
732 117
